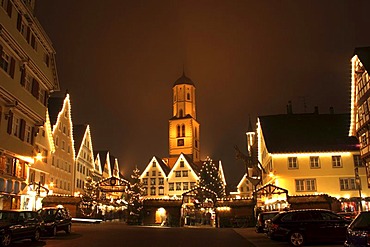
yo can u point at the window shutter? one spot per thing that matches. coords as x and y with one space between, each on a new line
28 34
12 67
35 88
23 76
10 123
9 8
46 96
19 21
22 129
33 134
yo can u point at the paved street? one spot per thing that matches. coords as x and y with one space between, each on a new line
118 234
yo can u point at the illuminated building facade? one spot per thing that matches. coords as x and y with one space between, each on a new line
360 101
27 76
171 177
310 154
85 165
63 159
184 132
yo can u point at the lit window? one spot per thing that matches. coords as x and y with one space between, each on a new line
145 192
161 191
161 181
152 181
145 181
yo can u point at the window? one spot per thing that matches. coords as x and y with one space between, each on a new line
188 96
348 184
192 185
153 173
161 181
145 181
314 162
161 191
180 142
7 63
145 192
152 181
42 178
305 185
182 164
178 186
32 176
178 173
178 130
184 173
154 164
357 160
292 163
336 161
147 173
363 140
170 187
152 191
183 130
185 186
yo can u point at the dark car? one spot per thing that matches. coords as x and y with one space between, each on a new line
308 225
19 225
55 219
358 232
262 218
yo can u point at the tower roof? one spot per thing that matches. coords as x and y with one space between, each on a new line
183 80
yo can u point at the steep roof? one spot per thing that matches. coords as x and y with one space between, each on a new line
103 157
164 167
55 105
184 80
307 133
78 134
363 54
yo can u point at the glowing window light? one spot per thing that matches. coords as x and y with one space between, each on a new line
321 154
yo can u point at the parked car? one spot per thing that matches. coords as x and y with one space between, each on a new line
55 219
19 225
262 218
308 225
358 232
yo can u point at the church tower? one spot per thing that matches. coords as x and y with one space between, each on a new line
183 126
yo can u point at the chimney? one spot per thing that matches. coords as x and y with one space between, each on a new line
289 107
316 110
331 110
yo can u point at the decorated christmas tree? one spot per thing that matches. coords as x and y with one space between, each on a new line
211 179
134 198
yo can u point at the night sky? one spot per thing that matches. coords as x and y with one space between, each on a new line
119 59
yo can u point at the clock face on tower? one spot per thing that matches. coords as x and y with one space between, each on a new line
180 142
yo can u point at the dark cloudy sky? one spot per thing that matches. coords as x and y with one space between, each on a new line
119 59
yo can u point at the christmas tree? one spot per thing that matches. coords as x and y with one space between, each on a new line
134 200
211 179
